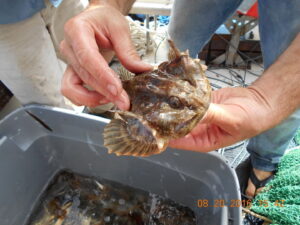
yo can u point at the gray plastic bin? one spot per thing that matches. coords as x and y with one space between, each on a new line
37 141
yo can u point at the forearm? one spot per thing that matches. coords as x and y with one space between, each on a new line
123 6
279 87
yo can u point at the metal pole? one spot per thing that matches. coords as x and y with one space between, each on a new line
147 33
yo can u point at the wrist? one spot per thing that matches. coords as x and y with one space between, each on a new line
264 108
280 84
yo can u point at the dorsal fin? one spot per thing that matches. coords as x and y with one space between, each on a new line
174 52
125 74
183 63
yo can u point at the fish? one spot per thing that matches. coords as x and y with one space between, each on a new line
165 103
74 199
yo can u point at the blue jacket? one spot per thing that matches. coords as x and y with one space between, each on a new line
12 11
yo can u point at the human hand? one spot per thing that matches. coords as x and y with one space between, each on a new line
234 115
91 39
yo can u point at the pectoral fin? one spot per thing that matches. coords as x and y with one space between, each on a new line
129 135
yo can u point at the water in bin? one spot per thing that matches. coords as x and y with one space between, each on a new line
80 200
37 143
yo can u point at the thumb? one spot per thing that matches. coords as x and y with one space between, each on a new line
224 116
127 54
217 114
212 113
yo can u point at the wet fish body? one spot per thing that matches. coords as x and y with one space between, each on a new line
166 103
73 199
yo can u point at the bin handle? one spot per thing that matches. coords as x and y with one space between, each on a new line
224 215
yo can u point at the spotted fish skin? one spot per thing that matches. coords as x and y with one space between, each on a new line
166 103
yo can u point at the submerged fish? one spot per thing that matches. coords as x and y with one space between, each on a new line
166 103
73 199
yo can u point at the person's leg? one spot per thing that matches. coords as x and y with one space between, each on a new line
193 22
28 63
55 18
29 66
279 24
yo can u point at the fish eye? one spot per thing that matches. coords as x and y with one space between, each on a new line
174 102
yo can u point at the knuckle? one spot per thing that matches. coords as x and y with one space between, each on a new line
82 57
68 94
89 79
86 77
72 25
104 72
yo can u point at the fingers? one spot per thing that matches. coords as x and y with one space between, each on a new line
213 113
122 100
187 142
126 52
203 138
72 88
218 128
84 55
233 119
88 31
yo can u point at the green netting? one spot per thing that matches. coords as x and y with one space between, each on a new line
287 215
280 199
297 137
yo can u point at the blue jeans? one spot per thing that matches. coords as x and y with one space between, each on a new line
192 24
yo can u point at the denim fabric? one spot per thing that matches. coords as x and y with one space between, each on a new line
279 23
12 11
192 24
267 148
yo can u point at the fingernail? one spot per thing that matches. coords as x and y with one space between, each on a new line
120 104
112 90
